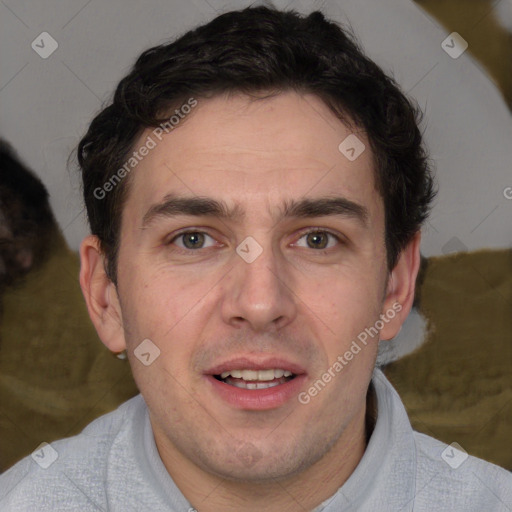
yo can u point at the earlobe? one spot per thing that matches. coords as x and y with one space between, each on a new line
100 295
400 289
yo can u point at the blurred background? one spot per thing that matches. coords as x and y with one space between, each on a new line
452 363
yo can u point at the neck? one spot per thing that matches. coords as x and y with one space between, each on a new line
208 492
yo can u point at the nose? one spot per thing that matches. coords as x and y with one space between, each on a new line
259 294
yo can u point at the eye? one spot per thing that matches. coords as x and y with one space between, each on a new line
191 240
319 239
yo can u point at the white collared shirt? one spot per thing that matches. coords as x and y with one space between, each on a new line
114 466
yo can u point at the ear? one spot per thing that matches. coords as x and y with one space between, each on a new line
400 289
100 294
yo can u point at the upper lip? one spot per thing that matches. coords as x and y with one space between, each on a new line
252 363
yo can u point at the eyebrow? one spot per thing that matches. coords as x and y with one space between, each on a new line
173 205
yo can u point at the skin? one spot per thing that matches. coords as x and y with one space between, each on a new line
204 306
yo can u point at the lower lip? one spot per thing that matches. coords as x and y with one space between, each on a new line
257 399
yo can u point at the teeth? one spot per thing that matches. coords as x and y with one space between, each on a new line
255 385
260 375
251 375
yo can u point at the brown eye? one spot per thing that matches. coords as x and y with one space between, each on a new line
319 240
191 240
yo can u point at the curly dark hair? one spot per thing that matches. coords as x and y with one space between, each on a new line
260 50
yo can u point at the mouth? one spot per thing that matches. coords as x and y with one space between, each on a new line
250 385
255 379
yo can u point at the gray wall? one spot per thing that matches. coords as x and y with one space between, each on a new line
46 103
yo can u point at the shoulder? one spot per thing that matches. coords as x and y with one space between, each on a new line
68 474
454 480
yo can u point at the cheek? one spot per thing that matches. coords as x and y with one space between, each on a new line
348 293
171 311
346 307
153 307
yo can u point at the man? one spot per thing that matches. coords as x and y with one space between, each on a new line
255 194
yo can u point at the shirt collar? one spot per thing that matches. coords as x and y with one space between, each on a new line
385 477
383 480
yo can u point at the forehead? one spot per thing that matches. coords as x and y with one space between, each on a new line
252 151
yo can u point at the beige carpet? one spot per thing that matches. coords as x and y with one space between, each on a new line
458 385
55 374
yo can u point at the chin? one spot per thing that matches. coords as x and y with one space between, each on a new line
252 464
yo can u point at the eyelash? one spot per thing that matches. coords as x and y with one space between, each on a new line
302 235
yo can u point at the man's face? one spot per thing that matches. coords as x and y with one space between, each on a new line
296 307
